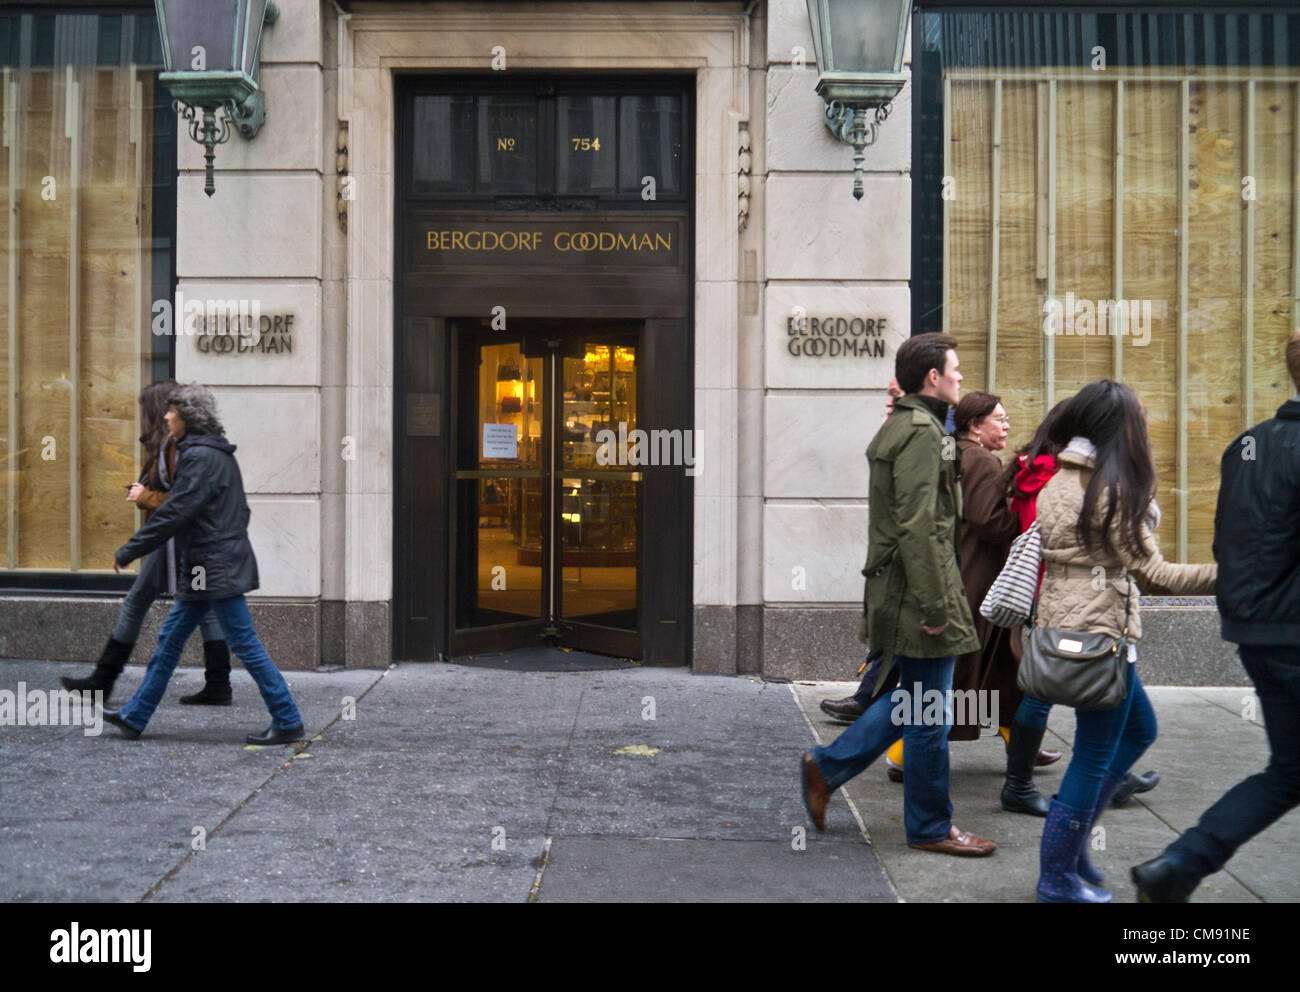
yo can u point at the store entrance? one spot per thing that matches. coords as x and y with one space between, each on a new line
547 512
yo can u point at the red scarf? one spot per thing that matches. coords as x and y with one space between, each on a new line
1029 480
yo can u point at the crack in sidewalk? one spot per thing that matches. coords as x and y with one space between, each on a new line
298 747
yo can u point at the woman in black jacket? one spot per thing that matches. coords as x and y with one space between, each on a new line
208 516
155 577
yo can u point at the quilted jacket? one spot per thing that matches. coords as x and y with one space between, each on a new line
1085 590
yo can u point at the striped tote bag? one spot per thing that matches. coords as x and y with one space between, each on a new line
1010 600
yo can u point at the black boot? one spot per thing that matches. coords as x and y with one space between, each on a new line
1160 880
107 669
1133 784
1018 792
216 677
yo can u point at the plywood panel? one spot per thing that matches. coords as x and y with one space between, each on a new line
1216 130
1275 184
971 117
109 331
1020 294
45 387
1151 138
1084 231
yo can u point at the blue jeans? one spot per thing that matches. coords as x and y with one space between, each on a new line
1107 741
141 596
237 625
1254 803
1033 713
927 812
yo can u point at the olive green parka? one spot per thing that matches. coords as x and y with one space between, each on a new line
912 574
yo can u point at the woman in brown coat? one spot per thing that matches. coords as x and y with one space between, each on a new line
157 574
988 527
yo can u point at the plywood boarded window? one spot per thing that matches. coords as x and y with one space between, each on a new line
1133 223
82 265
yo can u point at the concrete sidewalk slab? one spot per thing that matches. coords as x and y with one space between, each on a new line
1204 747
446 786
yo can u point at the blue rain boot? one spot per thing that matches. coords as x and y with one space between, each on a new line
1064 835
1087 871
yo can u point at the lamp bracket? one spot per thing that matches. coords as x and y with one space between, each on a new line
850 125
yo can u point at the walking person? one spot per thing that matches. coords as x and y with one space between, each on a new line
1257 546
870 688
915 611
157 575
988 528
1036 464
207 514
1096 517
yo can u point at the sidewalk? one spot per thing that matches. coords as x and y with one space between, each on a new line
460 784
1204 748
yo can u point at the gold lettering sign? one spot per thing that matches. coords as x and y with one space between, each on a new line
597 241
543 242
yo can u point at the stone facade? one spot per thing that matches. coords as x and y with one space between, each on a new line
303 222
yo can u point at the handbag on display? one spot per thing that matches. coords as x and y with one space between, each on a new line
1010 600
1088 671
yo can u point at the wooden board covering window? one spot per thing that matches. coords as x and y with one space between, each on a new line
82 257
1117 167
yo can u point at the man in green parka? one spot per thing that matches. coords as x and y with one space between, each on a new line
914 608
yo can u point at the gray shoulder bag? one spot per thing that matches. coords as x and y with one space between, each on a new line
1072 668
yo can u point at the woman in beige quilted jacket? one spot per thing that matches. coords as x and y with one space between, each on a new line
1097 515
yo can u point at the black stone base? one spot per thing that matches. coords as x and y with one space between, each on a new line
1180 646
299 635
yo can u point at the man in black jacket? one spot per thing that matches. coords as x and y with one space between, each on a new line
208 516
1257 545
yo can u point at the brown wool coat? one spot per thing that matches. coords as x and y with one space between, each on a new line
987 529
1069 598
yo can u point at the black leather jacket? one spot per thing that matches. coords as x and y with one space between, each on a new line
1257 533
208 515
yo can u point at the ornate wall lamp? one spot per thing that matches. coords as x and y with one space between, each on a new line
859 47
219 40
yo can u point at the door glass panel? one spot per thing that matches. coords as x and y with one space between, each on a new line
599 506
509 439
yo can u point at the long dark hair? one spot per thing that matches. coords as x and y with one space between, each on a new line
153 407
1109 415
1043 443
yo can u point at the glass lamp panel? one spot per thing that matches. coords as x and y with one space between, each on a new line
200 36
863 35
249 34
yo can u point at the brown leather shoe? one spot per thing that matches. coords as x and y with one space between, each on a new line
845 710
960 843
1046 757
895 774
816 793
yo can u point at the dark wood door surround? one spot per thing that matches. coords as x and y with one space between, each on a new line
559 260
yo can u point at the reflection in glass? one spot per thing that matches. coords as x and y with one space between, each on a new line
443 142
507 139
650 142
509 508
584 147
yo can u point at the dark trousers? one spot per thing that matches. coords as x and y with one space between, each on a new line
864 696
1255 803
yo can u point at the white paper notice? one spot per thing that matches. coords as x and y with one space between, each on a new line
500 441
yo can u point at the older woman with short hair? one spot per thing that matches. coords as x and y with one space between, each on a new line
207 514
